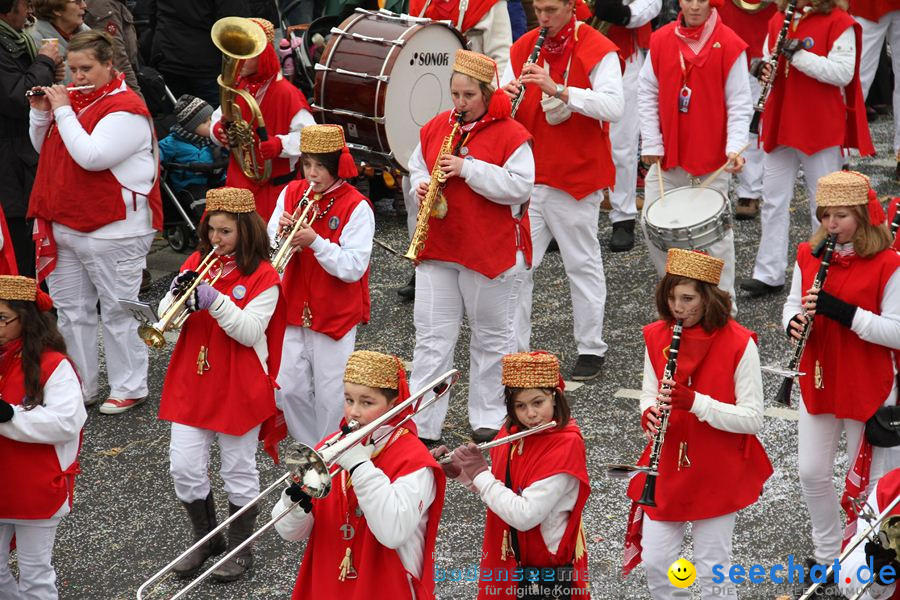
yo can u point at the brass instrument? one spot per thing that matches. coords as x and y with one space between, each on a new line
535 52
240 39
281 251
760 105
507 439
175 316
314 470
750 7
433 204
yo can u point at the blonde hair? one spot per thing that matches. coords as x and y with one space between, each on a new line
868 240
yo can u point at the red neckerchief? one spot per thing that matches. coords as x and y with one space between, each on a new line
469 129
557 49
81 101
267 69
9 353
693 42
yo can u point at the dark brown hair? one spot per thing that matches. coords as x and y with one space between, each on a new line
252 240
39 334
868 240
99 43
716 303
329 160
561 412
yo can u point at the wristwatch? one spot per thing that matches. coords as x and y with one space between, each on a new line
560 88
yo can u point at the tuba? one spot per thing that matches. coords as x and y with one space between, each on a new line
241 39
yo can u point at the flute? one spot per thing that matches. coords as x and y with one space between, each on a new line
77 88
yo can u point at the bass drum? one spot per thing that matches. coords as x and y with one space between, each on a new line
382 77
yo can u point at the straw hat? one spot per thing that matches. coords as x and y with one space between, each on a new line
14 287
694 264
842 188
229 199
477 66
531 370
373 369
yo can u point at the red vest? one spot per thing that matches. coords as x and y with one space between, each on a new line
380 572
574 156
695 140
234 394
534 458
8 265
334 307
751 27
727 470
476 233
629 40
279 105
448 10
84 200
841 355
32 470
809 115
872 10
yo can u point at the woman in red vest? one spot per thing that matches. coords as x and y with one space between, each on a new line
220 382
858 312
326 284
96 203
374 533
474 257
285 112
535 490
41 416
711 464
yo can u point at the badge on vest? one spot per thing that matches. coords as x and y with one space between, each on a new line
239 292
334 223
684 99
464 150
808 43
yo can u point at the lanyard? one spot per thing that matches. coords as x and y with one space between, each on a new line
685 69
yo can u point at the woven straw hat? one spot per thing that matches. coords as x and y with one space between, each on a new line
229 199
694 264
373 369
267 27
14 287
842 188
321 139
477 66
530 370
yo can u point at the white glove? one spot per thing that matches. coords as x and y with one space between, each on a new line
356 455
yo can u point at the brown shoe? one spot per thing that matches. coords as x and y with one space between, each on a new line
746 208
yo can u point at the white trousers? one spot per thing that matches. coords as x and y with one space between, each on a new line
312 382
34 553
189 463
750 179
89 269
444 292
874 35
724 248
411 204
556 215
818 438
624 136
781 166
662 542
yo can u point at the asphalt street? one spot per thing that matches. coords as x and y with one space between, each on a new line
127 523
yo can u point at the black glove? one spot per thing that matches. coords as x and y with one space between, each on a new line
6 411
794 319
296 494
182 281
613 11
835 308
756 66
790 48
880 557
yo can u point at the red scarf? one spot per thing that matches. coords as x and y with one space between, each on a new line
557 49
81 101
9 354
693 41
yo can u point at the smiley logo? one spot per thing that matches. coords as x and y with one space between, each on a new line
682 573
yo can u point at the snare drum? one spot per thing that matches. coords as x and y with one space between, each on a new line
382 77
688 217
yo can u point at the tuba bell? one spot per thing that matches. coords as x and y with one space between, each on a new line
239 40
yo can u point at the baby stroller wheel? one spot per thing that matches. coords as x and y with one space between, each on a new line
180 238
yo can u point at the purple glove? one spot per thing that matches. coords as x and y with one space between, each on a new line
182 281
470 460
202 298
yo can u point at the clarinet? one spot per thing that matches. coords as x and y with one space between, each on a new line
534 54
773 64
648 496
895 224
784 392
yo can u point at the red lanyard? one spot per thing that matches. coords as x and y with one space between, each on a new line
685 70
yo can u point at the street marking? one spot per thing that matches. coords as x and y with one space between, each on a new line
777 412
627 393
571 386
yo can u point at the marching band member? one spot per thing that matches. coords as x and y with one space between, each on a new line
536 488
858 312
629 30
814 111
715 411
97 203
750 20
570 91
326 284
376 529
41 416
695 109
219 386
285 112
474 258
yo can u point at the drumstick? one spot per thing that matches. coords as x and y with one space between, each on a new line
662 190
718 172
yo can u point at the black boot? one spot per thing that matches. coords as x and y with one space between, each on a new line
203 520
408 291
239 530
622 238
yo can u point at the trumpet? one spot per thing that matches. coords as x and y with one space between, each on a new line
534 55
303 216
507 439
77 88
313 471
175 316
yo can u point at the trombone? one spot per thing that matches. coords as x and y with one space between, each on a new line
175 316
313 470
303 216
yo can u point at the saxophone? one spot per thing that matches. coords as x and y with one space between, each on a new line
433 204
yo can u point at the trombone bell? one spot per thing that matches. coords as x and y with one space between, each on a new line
309 470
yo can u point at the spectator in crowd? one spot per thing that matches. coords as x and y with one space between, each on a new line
113 17
58 20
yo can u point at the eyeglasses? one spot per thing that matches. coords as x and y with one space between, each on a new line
4 320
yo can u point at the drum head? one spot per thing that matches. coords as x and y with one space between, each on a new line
684 207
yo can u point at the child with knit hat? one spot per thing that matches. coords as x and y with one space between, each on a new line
189 142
